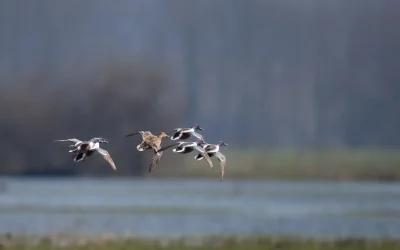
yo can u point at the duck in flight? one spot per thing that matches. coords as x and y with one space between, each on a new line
185 133
214 150
150 141
187 147
84 149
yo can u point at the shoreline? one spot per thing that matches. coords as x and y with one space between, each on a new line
110 241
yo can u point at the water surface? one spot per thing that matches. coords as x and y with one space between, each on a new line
153 207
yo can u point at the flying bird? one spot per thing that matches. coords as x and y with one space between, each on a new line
150 141
185 133
214 150
82 146
187 147
84 149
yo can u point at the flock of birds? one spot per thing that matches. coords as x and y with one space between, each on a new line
83 149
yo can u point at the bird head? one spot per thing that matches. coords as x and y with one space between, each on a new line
197 127
162 134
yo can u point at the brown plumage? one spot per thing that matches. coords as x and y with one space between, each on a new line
150 141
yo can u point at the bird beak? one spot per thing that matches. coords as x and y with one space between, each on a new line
201 128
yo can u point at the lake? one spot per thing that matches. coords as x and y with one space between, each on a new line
178 207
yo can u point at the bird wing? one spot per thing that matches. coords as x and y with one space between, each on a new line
135 133
155 160
99 139
199 136
154 142
222 160
144 134
204 154
74 140
168 146
106 157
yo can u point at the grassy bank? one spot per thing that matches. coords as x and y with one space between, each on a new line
206 243
332 164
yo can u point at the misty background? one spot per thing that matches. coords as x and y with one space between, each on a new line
307 74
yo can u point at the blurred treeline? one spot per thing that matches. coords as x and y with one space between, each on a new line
116 99
308 74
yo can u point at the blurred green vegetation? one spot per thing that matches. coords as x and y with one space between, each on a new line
332 164
207 243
